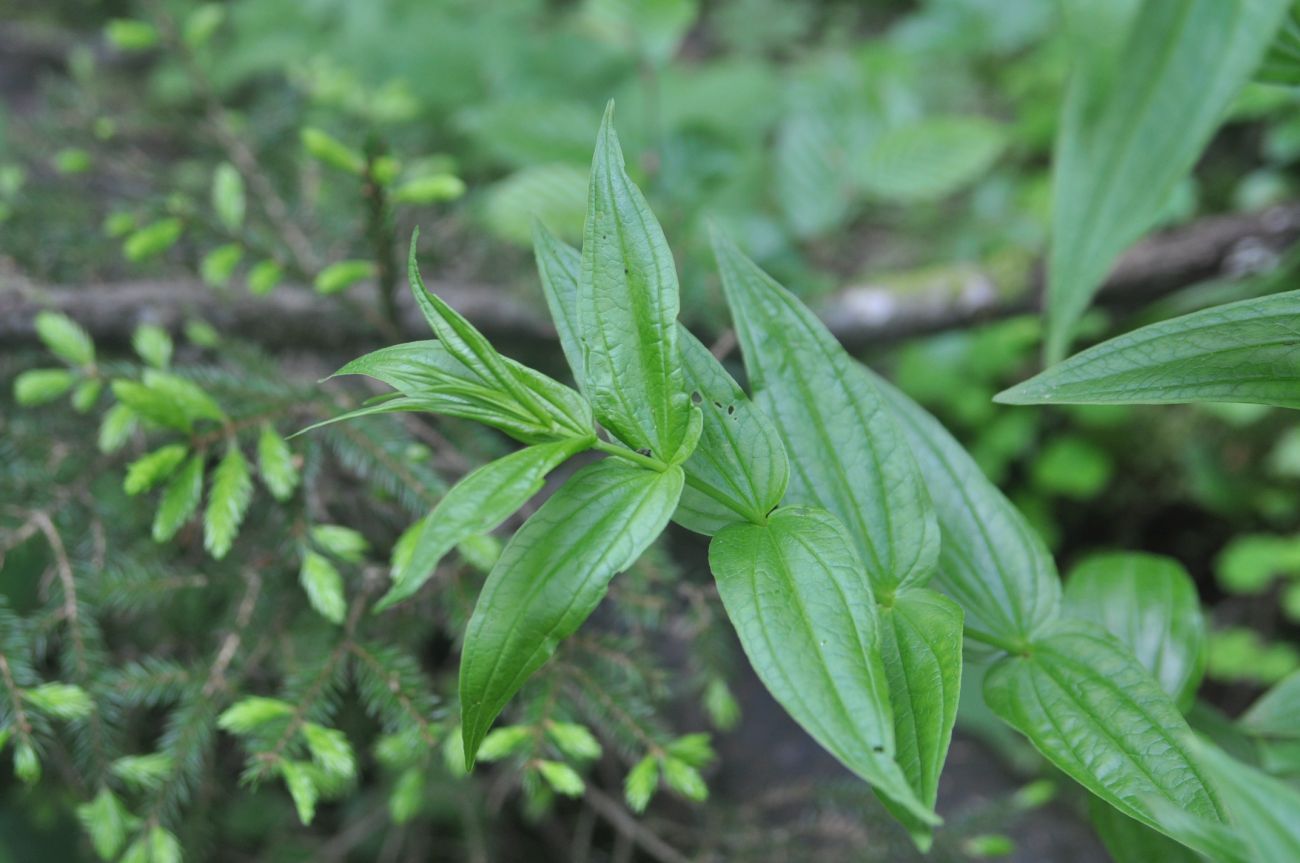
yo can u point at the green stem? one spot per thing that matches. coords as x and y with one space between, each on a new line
630 455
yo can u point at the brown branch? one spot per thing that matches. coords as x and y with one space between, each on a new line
869 313
622 821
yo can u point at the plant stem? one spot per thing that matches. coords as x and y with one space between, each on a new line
631 455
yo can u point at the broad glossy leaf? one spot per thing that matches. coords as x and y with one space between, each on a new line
1134 123
550 577
1150 604
627 309
1265 811
846 451
1090 707
990 560
477 504
921 645
739 467
797 595
1131 841
1248 351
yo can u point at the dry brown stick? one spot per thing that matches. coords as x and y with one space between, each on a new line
622 821
295 316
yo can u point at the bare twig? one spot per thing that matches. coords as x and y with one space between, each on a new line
622 821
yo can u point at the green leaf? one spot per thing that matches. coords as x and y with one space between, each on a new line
627 311
153 344
560 267
554 193
27 764
739 469
153 239
641 783
302 788
60 700
275 463
1130 841
330 749
116 428
574 740
432 189
202 23
147 471
562 778
551 576
251 713
342 275
1277 712
218 265
467 344
65 338
504 742
143 772
990 560
930 159
695 749
1239 352
1150 604
168 400
803 608
228 197
478 504
408 796
323 586
921 646
1090 707
86 394
107 822
40 386
845 449
739 466
126 34
1265 811
1134 121
684 779
342 542
232 490
333 152
264 276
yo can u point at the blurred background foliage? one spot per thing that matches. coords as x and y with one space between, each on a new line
899 144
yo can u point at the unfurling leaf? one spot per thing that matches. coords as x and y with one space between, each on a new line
180 499
228 499
275 463
323 586
147 471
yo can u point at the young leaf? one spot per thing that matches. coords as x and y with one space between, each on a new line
153 239
803 608
298 779
153 344
991 561
550 577
60 700
179 500
921 646
275 463
477 504
1150 604
218 266
641 783
1134 121
251 713
342 542
116 428
846 452
1277 712
228 197
1263 809
232 489
684 779
264 276
342 275
562 778
147 471
323 586
467 344
627 311
574 740
739 468
330 749
1086 703
107 822
39 386
1239 352
65 338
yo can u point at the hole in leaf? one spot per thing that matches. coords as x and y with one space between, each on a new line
696 398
